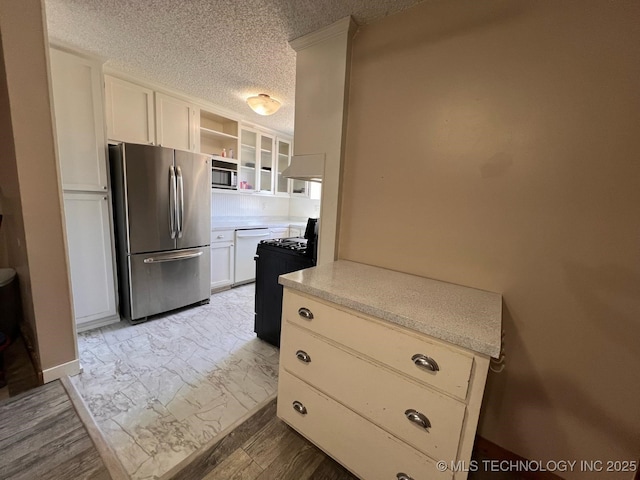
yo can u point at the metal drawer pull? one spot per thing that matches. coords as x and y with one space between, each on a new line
418 418
305 313
403 476
300 408
425 362
303 356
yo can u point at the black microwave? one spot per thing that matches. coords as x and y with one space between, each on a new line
224 175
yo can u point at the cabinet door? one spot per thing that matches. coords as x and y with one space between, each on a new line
248 159
267 150
222 261
77 100
129 111
175 123
283 157
90 256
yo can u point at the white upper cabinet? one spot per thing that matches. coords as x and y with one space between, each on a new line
257 157
129 111
77 101
177 123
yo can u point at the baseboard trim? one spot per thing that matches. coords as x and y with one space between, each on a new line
66 369
485 448
103 322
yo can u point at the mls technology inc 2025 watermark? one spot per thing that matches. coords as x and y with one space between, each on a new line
539 466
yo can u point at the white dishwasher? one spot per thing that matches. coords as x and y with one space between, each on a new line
246 245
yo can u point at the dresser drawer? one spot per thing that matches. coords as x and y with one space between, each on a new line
378 394
366 450
222 236
384 342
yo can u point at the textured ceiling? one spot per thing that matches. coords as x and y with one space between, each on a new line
220 51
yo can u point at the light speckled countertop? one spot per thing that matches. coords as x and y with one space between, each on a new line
463 316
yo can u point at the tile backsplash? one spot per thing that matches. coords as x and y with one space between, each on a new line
240 205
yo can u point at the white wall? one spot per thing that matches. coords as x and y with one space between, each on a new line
304 207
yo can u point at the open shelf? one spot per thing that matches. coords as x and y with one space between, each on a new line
218 134
223 159
214 133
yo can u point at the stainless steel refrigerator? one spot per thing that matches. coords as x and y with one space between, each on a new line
162 207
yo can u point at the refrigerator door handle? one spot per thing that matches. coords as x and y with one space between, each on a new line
172 257
180 205
172 201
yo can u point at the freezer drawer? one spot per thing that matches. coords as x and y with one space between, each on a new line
166 280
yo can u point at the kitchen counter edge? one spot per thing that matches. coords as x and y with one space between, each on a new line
463 316
256 224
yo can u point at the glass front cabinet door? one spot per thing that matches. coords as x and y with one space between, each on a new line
263 158
267 143
248 159
283 158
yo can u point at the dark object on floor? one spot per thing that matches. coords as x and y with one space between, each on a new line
261 448
4 343
9 303
19 372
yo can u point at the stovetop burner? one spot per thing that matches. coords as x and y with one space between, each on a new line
297 244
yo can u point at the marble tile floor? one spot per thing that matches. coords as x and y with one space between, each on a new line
162 389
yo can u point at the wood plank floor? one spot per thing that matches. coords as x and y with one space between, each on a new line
265 448
262 448
42 437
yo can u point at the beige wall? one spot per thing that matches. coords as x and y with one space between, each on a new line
496 144
34 242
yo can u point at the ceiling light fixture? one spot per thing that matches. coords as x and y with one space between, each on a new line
263 104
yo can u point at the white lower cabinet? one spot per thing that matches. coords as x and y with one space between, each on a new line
385 401
358 444
90 256
222 259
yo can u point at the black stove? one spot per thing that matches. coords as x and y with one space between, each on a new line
276 257
297 244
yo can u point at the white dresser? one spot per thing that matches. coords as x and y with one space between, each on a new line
385 371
